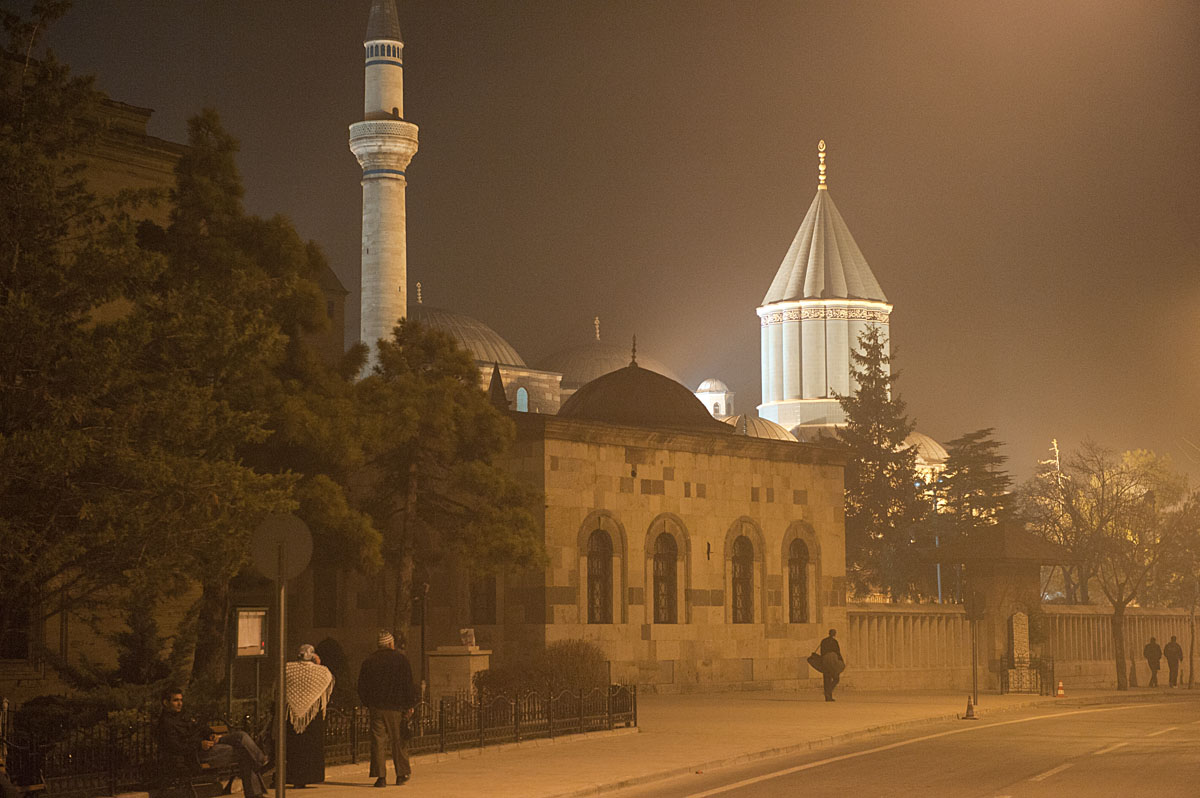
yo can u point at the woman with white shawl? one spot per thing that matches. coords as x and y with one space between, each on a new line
309 686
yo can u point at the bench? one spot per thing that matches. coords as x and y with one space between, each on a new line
173 775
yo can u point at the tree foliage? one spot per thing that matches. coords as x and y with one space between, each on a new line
882 500
110 470
432 484
974 492
1119 515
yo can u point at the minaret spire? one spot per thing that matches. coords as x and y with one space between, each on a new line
821 168
384 143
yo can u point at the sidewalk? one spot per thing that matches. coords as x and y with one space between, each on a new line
680 734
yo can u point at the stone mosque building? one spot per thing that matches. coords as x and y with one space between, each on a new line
695 545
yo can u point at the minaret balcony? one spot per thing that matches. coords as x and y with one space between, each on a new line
383 143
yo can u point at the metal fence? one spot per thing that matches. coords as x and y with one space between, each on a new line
462 722
113 757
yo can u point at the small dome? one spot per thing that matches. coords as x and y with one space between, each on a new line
712 385
583 363
484 343
756 427
638 397
929 451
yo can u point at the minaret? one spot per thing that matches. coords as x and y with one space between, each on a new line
823 296
384 144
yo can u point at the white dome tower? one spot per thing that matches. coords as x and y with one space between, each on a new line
384 144
823 296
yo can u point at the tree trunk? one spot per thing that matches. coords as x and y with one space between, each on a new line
1084 598
402 606
1118 634
212 630
1192 646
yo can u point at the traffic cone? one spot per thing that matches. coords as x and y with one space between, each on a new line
970 711
1061 692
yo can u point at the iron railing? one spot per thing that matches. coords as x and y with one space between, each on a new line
463 722
113 757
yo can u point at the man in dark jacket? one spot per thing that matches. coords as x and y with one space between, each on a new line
1174 654
1153 655
185 743
832 663
385 686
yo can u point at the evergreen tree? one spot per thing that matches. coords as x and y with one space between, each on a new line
116 467
882 500
433 484
240 296
974 490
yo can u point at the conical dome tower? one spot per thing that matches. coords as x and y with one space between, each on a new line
822 298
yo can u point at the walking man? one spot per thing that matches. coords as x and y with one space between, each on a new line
1174 653
1153 654
385 686
832 663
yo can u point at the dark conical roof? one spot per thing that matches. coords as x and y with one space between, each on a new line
638 397
384 22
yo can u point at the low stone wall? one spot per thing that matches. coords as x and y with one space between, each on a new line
1079 638
907 647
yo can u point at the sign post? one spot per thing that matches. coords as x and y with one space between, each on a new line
281 548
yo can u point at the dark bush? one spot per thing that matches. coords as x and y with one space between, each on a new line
562 665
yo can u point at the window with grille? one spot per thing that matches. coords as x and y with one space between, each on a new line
600 577
16 633
666 559
743 580
798 582
483 599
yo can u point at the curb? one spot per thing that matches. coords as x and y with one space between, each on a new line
844 737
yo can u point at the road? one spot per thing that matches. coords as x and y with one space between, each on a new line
1129 749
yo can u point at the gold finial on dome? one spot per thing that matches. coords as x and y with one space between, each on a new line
596 321
633 356
821 167
418 292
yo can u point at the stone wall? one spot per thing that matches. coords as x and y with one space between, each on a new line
908 647
1080 640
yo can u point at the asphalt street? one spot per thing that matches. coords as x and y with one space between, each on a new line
1133 749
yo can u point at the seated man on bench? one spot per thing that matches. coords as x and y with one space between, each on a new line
188 744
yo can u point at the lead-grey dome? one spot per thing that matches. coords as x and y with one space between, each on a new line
755 427
484 343
638 397
823 261
583 363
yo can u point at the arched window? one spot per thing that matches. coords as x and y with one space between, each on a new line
798 582
522 400
743 580
666 559
600 577
716 408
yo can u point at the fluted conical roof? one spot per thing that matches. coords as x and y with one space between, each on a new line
823 261
384 22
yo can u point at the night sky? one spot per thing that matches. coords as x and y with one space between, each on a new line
1023 178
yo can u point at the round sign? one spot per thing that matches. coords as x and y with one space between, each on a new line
281 540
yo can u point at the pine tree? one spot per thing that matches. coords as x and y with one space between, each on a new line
433 484
974 492
882 501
